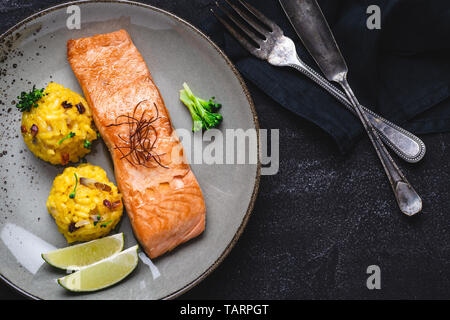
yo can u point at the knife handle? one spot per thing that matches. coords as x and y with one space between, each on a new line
406 145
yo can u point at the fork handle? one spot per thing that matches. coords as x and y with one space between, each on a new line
406 145
408 200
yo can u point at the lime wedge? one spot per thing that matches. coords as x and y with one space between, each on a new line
102 274
84 254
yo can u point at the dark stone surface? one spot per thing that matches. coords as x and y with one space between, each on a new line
324 218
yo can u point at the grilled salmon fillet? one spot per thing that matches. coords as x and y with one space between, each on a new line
161 194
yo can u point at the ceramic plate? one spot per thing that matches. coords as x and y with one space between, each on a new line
34 52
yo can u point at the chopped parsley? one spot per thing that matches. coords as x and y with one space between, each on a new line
103 225
72 195
87 144
99 218
70 135
29 100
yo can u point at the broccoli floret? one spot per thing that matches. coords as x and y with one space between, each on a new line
210 105
203 112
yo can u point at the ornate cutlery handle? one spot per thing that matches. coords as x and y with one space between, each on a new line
407 198
406 145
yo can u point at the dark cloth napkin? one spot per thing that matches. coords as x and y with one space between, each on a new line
401 71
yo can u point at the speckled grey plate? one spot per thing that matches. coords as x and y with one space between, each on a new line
34 52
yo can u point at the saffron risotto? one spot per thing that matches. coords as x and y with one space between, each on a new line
60 129
84 211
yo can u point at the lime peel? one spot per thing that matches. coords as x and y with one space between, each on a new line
81 255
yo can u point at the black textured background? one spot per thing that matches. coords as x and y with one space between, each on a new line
324 218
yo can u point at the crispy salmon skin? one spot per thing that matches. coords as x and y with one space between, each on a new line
161 194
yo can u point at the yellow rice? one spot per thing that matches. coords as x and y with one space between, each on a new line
55 122
86 207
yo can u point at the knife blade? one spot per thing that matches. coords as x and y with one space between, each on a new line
316 37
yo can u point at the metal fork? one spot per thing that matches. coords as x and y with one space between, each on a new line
271 45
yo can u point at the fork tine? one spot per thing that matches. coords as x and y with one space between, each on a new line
260 16
244 42
244 28
248 19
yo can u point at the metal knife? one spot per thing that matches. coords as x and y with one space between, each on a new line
311 26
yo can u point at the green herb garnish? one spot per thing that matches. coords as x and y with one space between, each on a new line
70 135
30 99
211 105
105 224
87 144
98 220
72 195
203 112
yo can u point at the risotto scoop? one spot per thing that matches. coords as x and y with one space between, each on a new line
60 129
84 203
